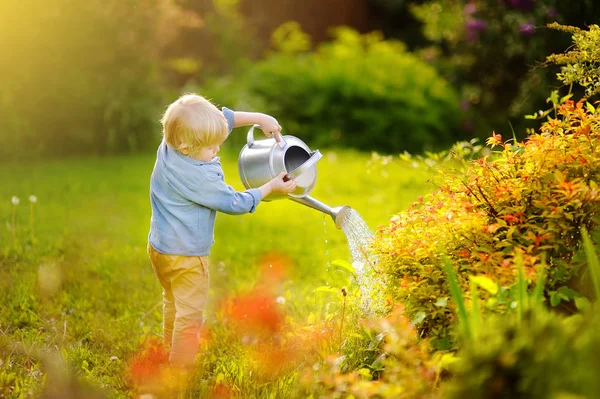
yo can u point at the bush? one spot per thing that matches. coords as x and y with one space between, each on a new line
541 355
356 91
527 203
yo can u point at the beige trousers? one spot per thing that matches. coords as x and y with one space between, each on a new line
185 282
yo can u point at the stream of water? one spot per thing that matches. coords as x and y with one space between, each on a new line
359 237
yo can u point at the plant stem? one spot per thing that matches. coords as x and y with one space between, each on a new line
343 313
13 226
31 222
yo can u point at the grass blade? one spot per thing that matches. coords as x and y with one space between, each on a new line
592 259
463 316
521 288
538 293
475 317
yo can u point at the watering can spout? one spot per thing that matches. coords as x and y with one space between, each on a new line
338 213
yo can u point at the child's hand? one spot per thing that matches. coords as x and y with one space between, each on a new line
279 186
269 125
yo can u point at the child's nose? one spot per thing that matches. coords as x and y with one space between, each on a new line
218 148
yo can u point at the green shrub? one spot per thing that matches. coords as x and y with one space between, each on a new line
357 91
541 355
528 202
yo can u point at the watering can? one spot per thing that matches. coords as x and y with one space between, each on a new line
262 160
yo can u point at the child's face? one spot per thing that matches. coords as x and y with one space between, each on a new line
206 154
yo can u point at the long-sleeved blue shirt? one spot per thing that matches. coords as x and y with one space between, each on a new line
185 195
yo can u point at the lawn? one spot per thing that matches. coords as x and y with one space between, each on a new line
79 286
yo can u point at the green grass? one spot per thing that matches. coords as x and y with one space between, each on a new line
99 297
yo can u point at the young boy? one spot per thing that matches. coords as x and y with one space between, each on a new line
186 191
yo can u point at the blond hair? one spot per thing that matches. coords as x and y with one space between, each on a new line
193 122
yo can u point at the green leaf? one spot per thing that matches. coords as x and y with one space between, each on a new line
554 298
590 107
475 311
342 264
365 373
418 319
538 294
325 288
485 283
447 360
565 98
582 303
441 302
592 259
568 293
378 363
521 287
456 292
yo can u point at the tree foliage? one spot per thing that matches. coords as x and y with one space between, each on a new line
82 76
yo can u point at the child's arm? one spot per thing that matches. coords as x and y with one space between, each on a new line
267 123
218 195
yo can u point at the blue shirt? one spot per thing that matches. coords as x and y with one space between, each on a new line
185 195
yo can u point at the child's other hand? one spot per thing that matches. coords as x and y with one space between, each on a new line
279 186
269 125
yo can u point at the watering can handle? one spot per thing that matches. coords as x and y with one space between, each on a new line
250 138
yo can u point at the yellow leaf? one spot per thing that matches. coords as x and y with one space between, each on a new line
485 283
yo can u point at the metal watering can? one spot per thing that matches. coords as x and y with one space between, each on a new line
262 160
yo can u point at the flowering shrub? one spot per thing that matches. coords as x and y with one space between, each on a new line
409 371
530 200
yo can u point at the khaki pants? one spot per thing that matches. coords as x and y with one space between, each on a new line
185 282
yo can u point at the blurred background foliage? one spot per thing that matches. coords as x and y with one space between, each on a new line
93 77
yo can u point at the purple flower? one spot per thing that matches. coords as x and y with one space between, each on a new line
551 12
470 9
527 29
474 26
523 5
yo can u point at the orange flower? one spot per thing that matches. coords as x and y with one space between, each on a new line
495 140
147 364
255 312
